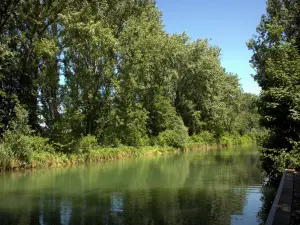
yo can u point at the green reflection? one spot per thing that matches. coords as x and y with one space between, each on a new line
207 187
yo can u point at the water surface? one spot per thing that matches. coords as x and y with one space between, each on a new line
216 187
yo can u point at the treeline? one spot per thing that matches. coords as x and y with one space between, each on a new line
276 58
106 73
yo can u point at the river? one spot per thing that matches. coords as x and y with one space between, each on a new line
216 187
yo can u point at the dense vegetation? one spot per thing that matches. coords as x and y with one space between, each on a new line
277 61
78 76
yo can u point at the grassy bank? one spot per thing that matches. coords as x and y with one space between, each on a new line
206 139
36 152
48 159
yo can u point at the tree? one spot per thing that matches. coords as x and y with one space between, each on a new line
207 97
28 29
108 72
277 62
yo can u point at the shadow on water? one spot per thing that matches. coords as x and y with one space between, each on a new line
269 190
216 187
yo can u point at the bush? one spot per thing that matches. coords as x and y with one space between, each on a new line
175 138
226 140
18 142
275 161
205 138
247 138
262 136
87 144
5 157
19 125
39 144
21 146
236 139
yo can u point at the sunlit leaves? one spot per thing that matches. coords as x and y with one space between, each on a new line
277 62
109 69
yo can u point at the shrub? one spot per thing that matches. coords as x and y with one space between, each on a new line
18 144
226 140
247 138
21 146
274 161
175 138
236 139
87 144
5 157
205 138
65 146
19 125
40 144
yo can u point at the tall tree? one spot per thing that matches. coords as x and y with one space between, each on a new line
277 62
27 30
207 96
109 69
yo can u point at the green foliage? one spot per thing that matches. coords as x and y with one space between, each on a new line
93 74
164 116
19 126
277 61
8 78
226 140
204 137
275 161
207 98
175 138
236 139
21 147
18 142
6 157
86 144
135 133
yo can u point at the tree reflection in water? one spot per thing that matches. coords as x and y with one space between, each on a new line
209 187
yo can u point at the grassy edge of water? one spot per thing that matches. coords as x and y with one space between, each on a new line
48 159
40 159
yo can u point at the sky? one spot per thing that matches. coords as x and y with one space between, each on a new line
228 24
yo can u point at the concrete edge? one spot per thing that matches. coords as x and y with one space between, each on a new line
274 207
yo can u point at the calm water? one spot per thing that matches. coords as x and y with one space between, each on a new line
209 187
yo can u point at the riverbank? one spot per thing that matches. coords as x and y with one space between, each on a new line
49 159
37 153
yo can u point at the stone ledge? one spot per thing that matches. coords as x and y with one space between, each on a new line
281 208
